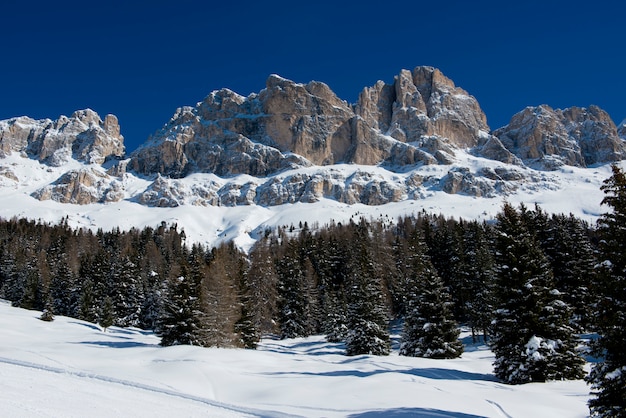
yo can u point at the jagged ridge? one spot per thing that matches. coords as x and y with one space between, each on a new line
284 135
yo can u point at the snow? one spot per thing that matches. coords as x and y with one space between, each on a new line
71 368
568 190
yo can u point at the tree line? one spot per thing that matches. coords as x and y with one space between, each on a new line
528 283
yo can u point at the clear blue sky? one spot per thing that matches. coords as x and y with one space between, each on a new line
140 60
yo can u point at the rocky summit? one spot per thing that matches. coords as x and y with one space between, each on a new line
284 144
422 118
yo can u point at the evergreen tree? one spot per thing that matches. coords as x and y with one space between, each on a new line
330 263
87 308
293 300
429 327
152 301
573 262
477 277
567 246
608 377
263 281
183 317
445 249
47 314
368 328
63 288
532 339
128 296
107 314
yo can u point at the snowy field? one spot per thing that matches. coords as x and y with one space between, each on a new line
70 368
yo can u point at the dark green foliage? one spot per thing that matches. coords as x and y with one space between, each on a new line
429 328
567 246
368 329
345 281
532 339
293 298
477 277
183 319
107 315
608 378
47 314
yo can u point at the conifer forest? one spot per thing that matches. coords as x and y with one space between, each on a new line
528 283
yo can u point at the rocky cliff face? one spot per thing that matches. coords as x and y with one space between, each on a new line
418 135
549 138
421 118
84 136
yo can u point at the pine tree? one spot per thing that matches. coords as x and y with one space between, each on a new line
608 377
152 306
47 314
532 339
293 300
566 243
87 309
429 328
368 328
477 277
263 281
127 293
107 314
184 315
330 263
63 288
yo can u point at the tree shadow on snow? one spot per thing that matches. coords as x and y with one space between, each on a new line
413 412
117 344
427 373
86 324
314 348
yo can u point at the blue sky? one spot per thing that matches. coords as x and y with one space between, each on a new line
142 60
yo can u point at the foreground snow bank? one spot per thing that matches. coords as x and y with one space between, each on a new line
70 368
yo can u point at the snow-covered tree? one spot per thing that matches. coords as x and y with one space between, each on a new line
608 377
429 326
183 317
107 314
294 292
477 277
368 328
531 335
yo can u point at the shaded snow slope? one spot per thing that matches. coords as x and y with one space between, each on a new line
70 368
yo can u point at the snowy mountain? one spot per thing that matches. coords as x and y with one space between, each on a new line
233 166
71 368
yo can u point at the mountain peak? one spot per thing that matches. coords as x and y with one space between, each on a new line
83 136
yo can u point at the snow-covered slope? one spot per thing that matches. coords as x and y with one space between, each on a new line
567 190
70 368
232 166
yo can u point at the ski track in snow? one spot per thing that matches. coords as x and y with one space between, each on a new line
498 408
246 412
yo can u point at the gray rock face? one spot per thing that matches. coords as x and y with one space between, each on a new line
550 138
422 104
621 130
83 136
420 119
82 187
287 137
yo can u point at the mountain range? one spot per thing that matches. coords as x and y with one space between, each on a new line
413 144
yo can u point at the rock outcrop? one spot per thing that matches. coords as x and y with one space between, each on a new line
621 130
422 118
420 105
403 140
82 187
84 136
549 138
